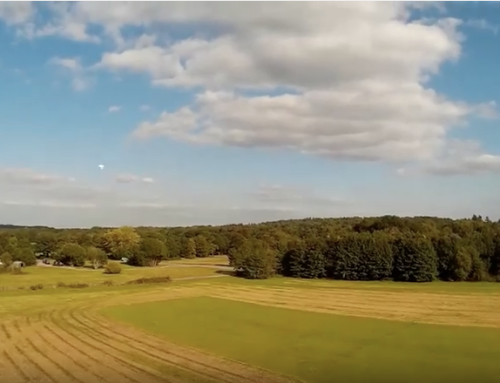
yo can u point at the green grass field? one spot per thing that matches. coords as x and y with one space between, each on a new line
52 275
321 348
279 330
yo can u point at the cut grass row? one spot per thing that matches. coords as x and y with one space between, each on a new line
310 345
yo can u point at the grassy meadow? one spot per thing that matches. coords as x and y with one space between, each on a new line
51 276
208 330
319 347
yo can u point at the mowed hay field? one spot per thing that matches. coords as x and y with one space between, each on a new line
229 330
51 276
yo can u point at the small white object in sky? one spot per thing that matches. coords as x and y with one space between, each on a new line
101 167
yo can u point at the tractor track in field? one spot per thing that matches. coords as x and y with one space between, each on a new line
73 342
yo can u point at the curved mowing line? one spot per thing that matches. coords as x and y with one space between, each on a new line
6 332
126 364
18 369
133 366
160 347
155 356
159 350
50 344
76 362
107 342
89 356
175 355
34 363
64 371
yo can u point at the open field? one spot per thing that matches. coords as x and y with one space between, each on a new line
229 330
320 348
49 276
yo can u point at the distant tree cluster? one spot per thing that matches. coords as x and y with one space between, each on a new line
419 249
416 249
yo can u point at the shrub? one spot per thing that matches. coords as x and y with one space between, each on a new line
113 268
72 285
142 281
36 287
108 283
78 285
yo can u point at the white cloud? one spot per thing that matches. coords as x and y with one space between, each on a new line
340 80
132 178
145 108
464 157
349 80
62 23
114 109
73 66
16 12
367 122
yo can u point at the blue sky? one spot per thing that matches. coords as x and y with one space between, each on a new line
209 113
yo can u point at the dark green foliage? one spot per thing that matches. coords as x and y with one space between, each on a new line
254 259
151 252
189 248
202 247
415 259
27 256
305 260
45 243
355 248
146 280
495 260
447 248
71 254
361 257
478 271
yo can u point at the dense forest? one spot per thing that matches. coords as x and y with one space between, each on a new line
418 249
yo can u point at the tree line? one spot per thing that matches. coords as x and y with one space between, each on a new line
416 249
